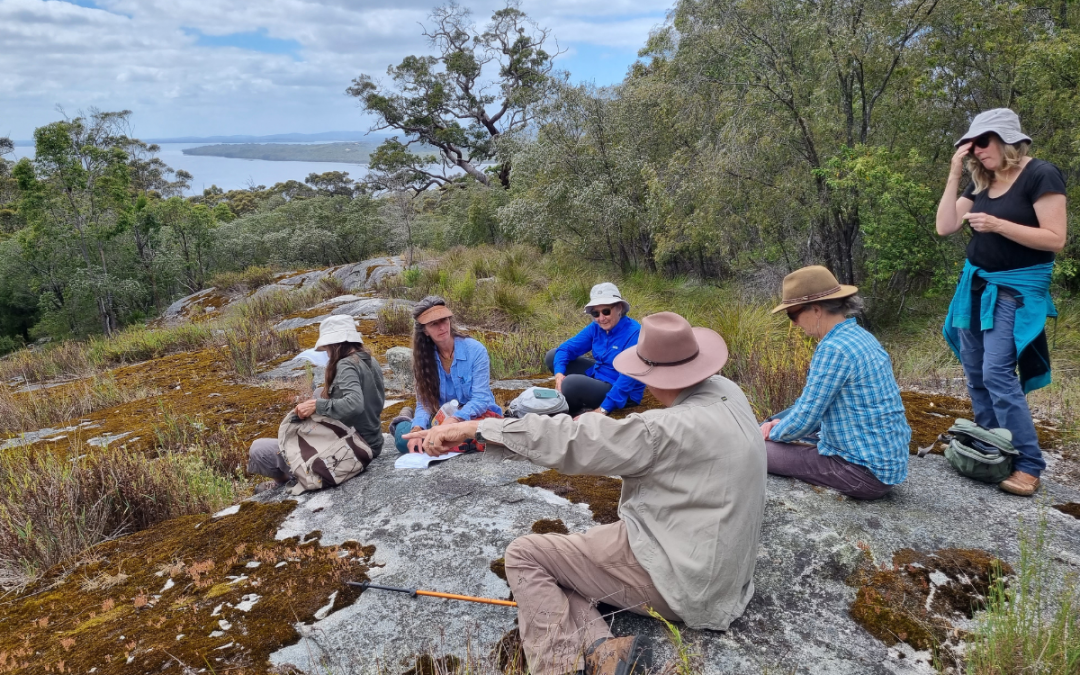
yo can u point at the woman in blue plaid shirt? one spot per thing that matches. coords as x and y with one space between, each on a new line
847 430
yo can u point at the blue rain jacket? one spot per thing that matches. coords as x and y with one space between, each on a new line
605 347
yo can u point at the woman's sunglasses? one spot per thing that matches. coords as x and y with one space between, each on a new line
793 314
982 142
597 312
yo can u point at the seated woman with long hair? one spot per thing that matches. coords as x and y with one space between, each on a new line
447 366
352 393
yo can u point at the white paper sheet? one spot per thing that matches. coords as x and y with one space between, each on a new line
420 460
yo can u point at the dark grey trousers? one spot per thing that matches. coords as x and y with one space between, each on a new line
582 392
804 462
264 460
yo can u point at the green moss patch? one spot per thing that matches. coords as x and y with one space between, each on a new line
197 590
916 600
599 492
930 415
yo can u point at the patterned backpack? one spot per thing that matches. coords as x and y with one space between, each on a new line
321 451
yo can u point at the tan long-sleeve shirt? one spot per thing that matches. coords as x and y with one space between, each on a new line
693 492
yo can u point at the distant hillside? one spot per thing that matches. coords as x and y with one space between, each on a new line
325 136
351 153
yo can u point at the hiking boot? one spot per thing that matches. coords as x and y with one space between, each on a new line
267 485
406 415
1020 483
613 656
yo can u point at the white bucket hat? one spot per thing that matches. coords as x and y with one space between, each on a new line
1001 121
606 294
335 329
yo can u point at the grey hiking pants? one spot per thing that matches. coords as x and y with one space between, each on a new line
557 580
264 460
804 462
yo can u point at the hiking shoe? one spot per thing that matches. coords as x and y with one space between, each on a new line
267 485
613 656
1020 483
406 415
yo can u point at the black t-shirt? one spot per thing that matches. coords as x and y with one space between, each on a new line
995 253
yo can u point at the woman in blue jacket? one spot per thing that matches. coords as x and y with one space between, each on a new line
446 366
593 385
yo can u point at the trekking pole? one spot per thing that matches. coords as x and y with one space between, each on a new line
449 596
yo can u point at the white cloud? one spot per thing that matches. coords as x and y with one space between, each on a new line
145 55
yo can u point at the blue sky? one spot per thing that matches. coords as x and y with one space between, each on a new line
277 66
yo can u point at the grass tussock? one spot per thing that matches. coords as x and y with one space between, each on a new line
276 304
1032 623
394 319
251 342
516 354
53 505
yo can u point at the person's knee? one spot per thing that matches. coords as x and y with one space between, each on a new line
549 360
521 553
400 430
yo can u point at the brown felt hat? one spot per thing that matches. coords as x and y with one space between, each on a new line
812 284
434 314
670 354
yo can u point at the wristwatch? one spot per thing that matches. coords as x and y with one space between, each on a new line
602 411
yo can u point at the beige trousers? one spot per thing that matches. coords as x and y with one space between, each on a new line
557 581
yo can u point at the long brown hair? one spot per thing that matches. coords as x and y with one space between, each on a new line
1012 156
425 369
336 352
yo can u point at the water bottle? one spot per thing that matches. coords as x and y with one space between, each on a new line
448 409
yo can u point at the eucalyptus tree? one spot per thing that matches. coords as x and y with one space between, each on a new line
480 85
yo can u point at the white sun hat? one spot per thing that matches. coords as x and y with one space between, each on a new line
335 329
606 294
1001 121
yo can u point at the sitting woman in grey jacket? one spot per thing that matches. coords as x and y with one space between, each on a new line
352 393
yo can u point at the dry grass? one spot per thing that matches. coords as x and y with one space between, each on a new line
47 407
245 280
276 304
250 343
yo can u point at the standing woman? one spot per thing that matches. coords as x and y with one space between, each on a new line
1015 206
352 393
446 366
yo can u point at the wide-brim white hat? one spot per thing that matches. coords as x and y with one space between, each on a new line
606 294
1001 121
336 329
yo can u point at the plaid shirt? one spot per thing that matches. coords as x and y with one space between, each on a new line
851 398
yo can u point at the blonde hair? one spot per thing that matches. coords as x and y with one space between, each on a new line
1013 154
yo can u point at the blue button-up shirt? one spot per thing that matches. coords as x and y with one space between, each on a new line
605 346
852 399
469 381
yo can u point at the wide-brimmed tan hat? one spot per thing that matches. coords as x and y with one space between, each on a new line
335 329
434 314
812 284
670 354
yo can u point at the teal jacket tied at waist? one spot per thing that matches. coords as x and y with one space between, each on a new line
1032 287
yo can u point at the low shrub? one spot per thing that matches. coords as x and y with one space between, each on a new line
54 506
39 364
276 304
250 342
49 406
247 280
394 319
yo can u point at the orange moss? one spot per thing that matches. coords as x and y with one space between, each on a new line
904 604
929 415
1070 509
498 568
546 526
132 626
599 492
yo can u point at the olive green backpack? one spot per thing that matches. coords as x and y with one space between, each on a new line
980 453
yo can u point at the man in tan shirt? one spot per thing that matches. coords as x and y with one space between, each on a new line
692 501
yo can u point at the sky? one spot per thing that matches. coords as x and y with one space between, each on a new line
199 67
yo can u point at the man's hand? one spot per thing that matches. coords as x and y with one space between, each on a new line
767 427
306 409
452 420
443 438
558 382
